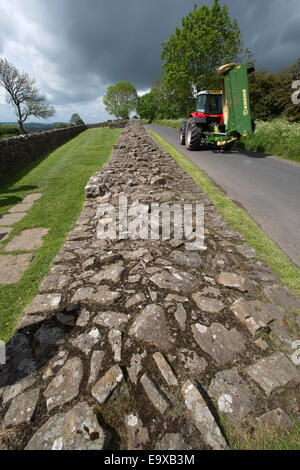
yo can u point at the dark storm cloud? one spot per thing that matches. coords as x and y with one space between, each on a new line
121 40
84 46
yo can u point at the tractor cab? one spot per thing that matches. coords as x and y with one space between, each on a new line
209 102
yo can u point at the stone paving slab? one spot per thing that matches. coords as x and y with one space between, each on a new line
232 393
44 303
280 295
22 408
65 386
23 207
12 267
221 344
78 429
273 372
29 239
275 418
202 417
32 197
11 219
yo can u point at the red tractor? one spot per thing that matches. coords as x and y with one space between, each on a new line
208 117
221 117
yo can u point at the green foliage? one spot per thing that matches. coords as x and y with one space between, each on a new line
76 120
8 131
23 94
174 123
146 108
276 137
207 39
163 102
270 93
121 99
60 125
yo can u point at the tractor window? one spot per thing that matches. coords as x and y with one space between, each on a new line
201 105
210 104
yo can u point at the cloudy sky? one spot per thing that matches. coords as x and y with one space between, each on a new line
75 49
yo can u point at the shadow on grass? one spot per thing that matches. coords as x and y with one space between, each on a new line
9 200
11 181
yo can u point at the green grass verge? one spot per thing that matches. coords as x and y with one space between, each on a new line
175 123
251 436
277 137
288 273
61 177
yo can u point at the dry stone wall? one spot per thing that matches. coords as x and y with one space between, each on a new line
16 152
116 124
141 344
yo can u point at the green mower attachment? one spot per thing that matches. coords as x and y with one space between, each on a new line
236 103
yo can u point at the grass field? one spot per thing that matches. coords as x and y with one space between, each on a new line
60 177
288 273
277 137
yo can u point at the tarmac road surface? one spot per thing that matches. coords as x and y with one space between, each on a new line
267 187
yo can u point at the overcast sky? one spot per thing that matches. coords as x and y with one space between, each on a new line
76 48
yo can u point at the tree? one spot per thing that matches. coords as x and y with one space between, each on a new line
23 94
270 93
76 120
208 38
120 99
146 107
170 101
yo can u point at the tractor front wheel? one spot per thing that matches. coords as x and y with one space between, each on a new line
193 135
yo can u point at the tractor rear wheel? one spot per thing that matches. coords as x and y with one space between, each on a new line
193 135
182 133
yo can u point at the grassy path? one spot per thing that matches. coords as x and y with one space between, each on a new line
60 177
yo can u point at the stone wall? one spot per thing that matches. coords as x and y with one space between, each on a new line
15 152
117 124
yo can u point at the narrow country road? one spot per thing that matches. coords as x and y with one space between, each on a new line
267 187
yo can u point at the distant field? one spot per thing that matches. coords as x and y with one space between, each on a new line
11 129
8 131
276 137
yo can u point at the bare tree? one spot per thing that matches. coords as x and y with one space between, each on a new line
23 94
